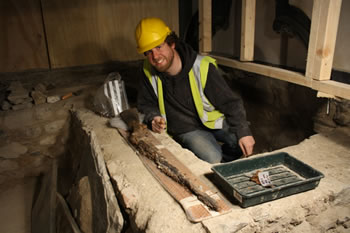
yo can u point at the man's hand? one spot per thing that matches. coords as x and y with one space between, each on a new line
247 144
158 124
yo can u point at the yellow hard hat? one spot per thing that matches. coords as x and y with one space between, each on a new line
150 33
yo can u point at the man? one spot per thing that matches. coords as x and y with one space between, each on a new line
183 93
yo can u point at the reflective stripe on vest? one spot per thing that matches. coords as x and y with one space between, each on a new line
157 86
210 117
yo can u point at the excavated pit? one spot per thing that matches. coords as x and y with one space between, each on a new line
66 148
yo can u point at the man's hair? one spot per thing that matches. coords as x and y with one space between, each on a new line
172 38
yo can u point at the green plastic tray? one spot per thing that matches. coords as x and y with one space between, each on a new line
288 176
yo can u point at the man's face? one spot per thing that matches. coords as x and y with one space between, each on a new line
161 57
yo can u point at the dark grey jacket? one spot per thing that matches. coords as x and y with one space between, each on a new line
180 110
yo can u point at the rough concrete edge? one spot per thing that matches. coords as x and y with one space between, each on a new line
131 192
115 218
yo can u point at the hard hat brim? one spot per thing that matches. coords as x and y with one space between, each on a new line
153 44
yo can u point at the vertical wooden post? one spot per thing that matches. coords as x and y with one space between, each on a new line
205 26
248 30
324 26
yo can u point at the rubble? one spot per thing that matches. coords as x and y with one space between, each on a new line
18 94
38 97
18 97
53 99
15 96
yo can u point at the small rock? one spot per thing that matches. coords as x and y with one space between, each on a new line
295 222
342 114
224 225
40 87
346 224
5 105
50 140
39 97
53 99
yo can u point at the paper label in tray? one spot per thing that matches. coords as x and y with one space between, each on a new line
264 179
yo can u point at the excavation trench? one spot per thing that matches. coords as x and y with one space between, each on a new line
86 178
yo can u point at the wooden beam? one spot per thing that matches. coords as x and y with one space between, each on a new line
205 34
324 26
269 71
325 19
330 87
248 30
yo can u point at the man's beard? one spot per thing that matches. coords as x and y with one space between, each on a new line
169 60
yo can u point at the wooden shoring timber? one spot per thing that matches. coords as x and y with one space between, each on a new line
323 34
332 87
324 26
248 30
269 71
329 86
205 22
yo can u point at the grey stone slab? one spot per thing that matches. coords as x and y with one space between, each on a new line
80 203
86 156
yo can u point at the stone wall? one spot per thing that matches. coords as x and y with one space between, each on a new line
84 181
30 138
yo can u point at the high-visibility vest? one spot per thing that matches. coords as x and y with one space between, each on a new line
210 117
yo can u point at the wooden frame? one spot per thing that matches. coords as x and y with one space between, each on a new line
324 26
204 20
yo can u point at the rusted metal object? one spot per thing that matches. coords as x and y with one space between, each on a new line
137 137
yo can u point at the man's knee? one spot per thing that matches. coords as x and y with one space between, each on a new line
210 156
203 145
214 160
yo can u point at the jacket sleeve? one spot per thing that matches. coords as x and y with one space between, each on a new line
227 102
147 101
